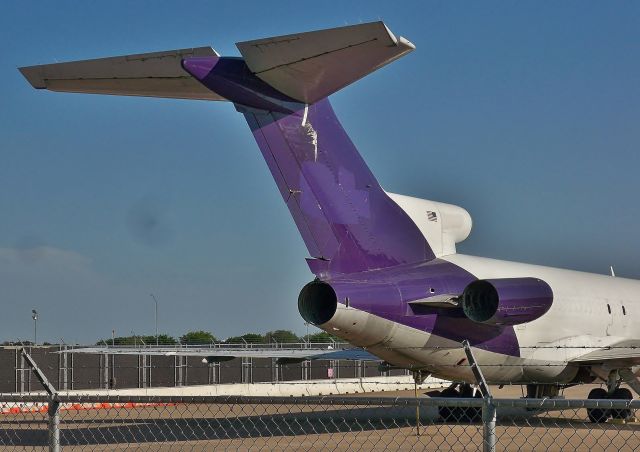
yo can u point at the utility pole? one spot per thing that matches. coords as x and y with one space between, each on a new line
156 315
34 316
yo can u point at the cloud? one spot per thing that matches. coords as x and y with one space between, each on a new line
61 284
40 263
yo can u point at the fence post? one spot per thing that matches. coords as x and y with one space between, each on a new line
54 424
53 405
488 408
489 425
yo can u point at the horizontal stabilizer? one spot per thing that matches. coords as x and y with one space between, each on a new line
310 66
157 74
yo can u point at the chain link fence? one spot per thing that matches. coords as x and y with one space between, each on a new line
70 371
73 422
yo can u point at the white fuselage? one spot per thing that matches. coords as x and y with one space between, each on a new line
589 311
577 323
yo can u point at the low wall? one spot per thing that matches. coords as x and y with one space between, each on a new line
285 389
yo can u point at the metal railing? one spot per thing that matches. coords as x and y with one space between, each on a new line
69 371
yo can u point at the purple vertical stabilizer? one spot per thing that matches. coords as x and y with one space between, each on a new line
347 221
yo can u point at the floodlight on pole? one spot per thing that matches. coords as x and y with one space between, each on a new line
156 315
34 316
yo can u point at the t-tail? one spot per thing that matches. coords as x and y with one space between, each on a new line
348 222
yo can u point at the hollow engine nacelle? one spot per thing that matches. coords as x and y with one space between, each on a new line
317 302
506 301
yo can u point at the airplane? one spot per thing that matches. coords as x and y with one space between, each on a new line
388 279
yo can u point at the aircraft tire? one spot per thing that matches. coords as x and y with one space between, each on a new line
621 394
598 415
447 413
474 414
469 414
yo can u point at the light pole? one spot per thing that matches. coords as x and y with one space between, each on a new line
156 315
34 316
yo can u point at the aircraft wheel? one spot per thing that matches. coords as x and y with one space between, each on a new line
598 415
447 413
621 394
476 412
470 414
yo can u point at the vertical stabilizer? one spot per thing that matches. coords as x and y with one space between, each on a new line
346 219
348 223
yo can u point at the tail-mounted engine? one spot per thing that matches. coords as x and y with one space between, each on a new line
507 301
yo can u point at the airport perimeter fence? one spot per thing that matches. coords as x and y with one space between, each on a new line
72 422
70 371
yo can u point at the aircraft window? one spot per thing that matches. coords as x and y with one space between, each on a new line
609 308
624 311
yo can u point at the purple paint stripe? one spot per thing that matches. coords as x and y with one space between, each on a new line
331 180
386 293
200 67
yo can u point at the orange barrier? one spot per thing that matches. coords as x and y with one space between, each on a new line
34 407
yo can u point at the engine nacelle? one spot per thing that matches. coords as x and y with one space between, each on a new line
317 302
507 301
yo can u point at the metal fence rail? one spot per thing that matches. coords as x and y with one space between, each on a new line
313 423
69 371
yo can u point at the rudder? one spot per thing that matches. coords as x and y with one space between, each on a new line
348 222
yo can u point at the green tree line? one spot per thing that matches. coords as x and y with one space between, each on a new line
205 337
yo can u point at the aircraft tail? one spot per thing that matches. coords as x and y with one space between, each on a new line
348 222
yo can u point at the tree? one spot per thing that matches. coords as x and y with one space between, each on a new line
281 336
321 337
197 338
18 342
249 338
163 339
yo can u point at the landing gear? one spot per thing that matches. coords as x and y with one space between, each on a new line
471 414
542 391
449 414
600 415
621 394
459 414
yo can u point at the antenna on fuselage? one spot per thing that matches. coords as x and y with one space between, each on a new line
613 274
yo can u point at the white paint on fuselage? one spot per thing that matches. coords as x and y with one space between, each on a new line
579 320
577 323
589 311
410 348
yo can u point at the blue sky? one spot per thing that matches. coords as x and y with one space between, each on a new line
524 113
